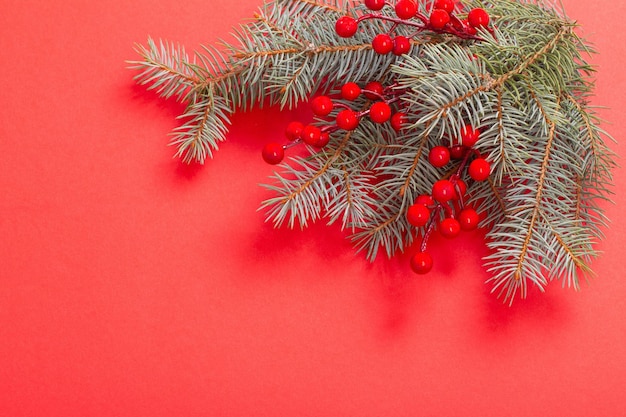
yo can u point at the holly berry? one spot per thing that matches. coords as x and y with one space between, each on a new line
401 45
380 112
311 135
456 23
457 152
468 28
347 119
468 219
350 91
273 153
479 169
374 4
323 140
439 18
294 131
421 263
346 26
382 44
478 18
469 136
443 191
418 215
447 5
439 156
460 188
322 106
425 199
449 227
398 120
374 90
406 9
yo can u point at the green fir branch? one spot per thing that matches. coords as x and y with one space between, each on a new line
525 84
205 125
166 69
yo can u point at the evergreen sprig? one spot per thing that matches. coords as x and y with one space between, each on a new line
525 85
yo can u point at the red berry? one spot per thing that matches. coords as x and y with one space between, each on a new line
439 156
478 18
382 44
273 153
449 227
479 169
294 131
380 112
322 106
398 120
439 18
418 215
468 219
374 4
406 9
346 26
456 23
421 263
311 135
425 199
457 152
323 140
469 29
443 191
350 91
469 136
460 188
401 45
347 119
447 5
374 90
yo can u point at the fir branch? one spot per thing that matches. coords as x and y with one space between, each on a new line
542 235
386 227
205 126
488 198
524 84
330 7
166 69
541 184
352 200
311 51
307 190
601 160
416 162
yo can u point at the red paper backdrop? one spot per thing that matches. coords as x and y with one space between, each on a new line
132 285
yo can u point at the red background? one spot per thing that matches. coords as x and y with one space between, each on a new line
133 285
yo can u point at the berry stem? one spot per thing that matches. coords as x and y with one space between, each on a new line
396 20
459 193
343 106
463 164
292 144
420 27
446 209
374 93
457 175
428 231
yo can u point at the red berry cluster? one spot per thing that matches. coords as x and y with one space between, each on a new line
442 19
380 110
444 208
296 132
